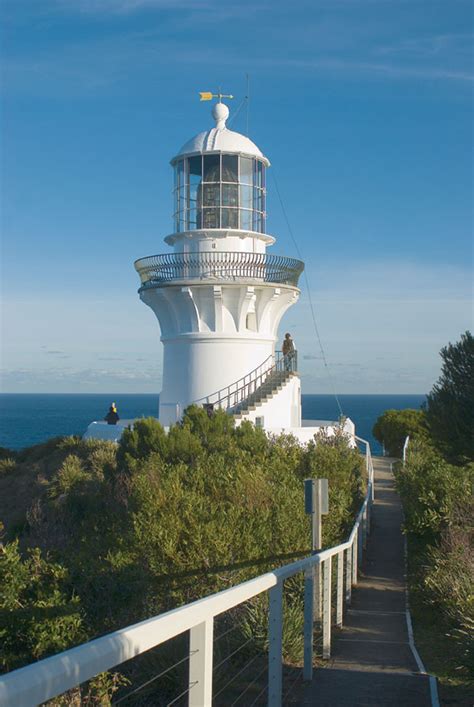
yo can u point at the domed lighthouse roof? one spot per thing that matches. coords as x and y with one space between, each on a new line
220 139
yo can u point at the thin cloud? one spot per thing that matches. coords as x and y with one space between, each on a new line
434 45
389 71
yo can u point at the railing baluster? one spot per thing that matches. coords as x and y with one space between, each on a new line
340 589
308 623
348 575
200 664
275 637
327 576
354 557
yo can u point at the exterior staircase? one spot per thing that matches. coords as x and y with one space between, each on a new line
255 388
271 386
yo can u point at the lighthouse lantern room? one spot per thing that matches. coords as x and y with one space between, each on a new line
218 296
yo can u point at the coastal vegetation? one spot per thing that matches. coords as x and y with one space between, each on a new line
98 536
436 486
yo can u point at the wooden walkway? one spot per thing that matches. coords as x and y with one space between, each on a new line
372 662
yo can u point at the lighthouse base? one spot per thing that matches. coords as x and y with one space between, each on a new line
304 433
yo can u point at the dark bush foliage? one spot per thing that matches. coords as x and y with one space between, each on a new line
392 428
163 519
450 405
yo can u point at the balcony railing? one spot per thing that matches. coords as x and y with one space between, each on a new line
232 266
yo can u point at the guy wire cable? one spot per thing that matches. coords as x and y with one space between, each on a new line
313 314
237 111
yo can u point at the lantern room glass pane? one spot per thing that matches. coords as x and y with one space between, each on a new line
193 195
212 168
246 170
195 169
180 170
246 197
246 219
230 168
258 221
209 218
257 199
230 218
230 195
209 195
192 219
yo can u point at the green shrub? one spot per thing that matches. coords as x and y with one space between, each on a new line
393 426
430 488
162 519
7 466
439 507
40 614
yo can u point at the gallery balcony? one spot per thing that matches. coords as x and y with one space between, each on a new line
219 266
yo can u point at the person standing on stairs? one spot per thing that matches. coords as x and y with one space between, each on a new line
288 349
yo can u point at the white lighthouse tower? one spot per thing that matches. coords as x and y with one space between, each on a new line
218 295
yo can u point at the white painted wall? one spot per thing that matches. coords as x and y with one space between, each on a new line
213 335
282 410
197 366
222 240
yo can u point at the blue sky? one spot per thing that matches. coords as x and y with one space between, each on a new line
364 108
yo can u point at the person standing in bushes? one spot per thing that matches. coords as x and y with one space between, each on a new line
112 416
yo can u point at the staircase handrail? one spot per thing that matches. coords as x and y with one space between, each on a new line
236 393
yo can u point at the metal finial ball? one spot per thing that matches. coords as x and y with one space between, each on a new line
220 113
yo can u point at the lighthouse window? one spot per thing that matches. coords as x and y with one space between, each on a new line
192 218
246 197
210 218
212 168
181 173
230 168
195 169
230 218
246 219
230 195
246 170
209 195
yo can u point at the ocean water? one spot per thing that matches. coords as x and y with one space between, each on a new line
29 419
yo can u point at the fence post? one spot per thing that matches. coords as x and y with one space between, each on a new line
308 623
200 664
275 636
349 575
354 556
327 575
340 588
364 527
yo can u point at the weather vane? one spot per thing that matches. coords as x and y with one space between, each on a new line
208 96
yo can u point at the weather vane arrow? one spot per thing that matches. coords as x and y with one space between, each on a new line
208 96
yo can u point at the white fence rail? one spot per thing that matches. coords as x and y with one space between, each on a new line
53 676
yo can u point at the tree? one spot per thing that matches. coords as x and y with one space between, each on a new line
450 405
392 428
